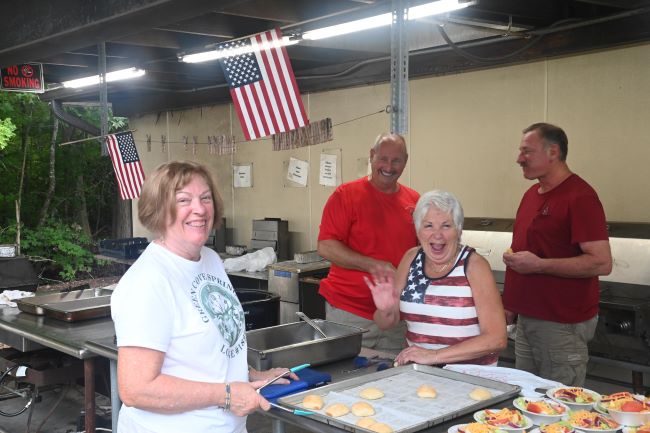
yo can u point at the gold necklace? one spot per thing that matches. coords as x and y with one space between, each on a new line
443 268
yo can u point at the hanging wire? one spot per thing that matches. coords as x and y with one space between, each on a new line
374 113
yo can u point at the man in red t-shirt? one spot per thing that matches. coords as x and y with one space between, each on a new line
367 222
559 248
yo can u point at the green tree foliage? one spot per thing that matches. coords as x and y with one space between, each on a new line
32 121
7 129
58 249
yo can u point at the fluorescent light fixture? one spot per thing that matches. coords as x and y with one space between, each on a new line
218 54
349 27
425 10
123 74
435 8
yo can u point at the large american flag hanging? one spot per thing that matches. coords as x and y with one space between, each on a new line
126 163
262 85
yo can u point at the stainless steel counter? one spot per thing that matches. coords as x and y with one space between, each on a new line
68 338
261 275
31 332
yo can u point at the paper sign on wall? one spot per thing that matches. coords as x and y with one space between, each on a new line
327 169
298 171
242 176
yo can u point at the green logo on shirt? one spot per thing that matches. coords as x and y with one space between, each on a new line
224 309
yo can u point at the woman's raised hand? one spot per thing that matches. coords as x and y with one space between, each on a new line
382 287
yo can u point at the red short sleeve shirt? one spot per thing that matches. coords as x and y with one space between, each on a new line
552 225
372 223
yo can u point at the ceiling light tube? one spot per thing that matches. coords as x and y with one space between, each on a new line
436 8
349 27
416 12
219 54
123 74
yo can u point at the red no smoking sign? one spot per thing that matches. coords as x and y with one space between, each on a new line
27 77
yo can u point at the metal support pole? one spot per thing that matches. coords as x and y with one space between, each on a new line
115 396
89 394
103 95
277 426
399 68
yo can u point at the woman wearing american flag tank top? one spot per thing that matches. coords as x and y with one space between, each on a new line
443 290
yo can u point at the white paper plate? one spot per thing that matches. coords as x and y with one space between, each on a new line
573 405
594 430
539 418
454 428
528 423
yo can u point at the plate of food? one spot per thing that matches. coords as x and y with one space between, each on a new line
592 422
511 420
633 413
474 427
645 428
575 397
613 401
556 427
541 410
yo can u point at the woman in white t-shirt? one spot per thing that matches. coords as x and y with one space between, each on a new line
182 354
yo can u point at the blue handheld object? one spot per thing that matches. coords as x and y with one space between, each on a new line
382 366
360 361
308 379
292 370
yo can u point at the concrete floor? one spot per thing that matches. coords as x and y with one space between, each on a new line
65 414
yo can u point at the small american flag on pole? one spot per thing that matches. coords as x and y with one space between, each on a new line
126 163
262 85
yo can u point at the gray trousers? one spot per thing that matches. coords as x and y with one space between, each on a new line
555 351
390 341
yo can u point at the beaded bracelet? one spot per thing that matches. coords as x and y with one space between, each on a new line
226 405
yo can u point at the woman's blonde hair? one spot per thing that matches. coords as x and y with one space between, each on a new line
157 204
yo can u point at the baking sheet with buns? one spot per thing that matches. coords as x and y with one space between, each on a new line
401 408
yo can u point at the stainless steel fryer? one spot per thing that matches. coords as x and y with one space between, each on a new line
298 342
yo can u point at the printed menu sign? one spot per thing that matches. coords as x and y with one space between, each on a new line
27 77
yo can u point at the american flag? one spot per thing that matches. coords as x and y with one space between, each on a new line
262 85
126 163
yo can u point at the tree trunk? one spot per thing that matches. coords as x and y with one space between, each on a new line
50 189
24 138
83 209
122 223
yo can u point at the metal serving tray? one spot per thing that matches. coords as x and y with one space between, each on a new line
80 309
283 345
401 408
70 306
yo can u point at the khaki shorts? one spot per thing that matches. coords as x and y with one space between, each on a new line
555 351
390 341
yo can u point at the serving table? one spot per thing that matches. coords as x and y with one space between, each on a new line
27 332
340 370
